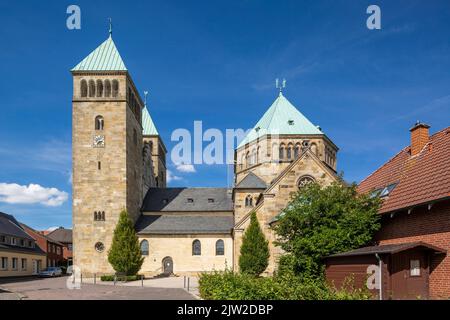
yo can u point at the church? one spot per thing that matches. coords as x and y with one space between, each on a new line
119 162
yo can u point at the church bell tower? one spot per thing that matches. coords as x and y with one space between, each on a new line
107 144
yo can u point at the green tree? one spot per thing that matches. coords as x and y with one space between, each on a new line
125 254
321 221
254 257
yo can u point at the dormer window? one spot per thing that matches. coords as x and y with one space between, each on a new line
210 200
165 201
190 200
22 242
257 129
2 239
291 122
13 241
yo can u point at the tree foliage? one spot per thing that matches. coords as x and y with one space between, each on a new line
321 221
254 257
125 254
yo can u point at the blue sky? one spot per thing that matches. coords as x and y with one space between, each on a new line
216 61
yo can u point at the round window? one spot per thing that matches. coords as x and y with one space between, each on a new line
99 246
305 181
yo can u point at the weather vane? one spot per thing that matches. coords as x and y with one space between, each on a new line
280 86
110 26
145 98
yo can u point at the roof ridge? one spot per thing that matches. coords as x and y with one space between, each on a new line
384 164
404 149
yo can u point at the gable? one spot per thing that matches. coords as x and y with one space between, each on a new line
418 179
278 194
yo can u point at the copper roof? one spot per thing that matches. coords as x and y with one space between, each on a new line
420 179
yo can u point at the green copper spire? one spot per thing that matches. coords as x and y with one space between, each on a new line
148 125
105 58
281 118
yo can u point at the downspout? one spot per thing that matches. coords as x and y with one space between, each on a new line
380 276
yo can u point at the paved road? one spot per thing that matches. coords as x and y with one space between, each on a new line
56 289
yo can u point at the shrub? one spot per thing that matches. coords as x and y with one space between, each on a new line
125 253
110 277
254 257
232 286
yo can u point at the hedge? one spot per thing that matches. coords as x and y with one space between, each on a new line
233 286
120 278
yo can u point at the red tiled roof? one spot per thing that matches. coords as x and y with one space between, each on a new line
421 179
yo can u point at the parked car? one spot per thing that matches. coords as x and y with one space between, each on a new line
51 272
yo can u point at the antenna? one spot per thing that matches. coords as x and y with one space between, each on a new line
280 87
145 98
110 26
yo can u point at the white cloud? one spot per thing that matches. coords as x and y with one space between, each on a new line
52 229
31 194
186 168
171 177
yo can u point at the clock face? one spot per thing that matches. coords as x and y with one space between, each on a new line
99 141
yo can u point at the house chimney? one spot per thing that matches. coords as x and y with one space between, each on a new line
419 137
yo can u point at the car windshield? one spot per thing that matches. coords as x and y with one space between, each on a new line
50 269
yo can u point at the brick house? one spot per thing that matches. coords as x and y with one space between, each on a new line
415 188
63 236
53 249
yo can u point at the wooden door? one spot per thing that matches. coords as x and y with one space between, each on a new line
167 265
409 275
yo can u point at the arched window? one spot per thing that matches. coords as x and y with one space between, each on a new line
99 88
115 88
275 151
83 88
297 151
289 152
91 88
99 123
249 201
305 180
107 88
220 247
258 156
103 215
281 153
196 248
242 161
95 216
144 247
247 159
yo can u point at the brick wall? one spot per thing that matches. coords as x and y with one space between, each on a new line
431 226
419 138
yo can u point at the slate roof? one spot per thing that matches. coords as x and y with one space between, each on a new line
388 249
281 118
420 179
105 57
35 250
184 224
176 199
148 125
61 235
251 181
10 226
